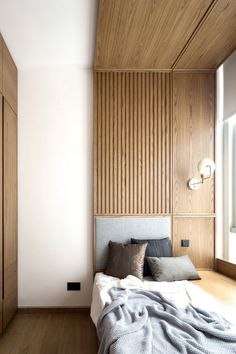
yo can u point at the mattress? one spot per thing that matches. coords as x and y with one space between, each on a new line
182 293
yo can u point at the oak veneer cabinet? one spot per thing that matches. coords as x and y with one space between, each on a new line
9 213
8 187
1 66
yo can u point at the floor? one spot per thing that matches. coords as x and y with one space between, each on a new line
220 287
50 333
74 332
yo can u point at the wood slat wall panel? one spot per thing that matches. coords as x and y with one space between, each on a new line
132 143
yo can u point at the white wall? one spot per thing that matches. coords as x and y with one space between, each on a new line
55 185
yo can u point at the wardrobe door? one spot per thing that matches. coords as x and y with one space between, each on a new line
9 213
1 65
1 221
9 82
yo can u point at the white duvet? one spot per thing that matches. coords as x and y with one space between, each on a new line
181 292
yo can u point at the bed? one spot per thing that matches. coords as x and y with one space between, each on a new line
116 302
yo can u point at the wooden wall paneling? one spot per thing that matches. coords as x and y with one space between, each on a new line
145 34
200 233
103 142
111 137
143 128
193 139
10 213
124 153
140 140
150 186
9 78
214 40
155 142
127 150
135 100
132 143
1 65
95 144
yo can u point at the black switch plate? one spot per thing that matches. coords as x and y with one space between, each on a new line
184 243
73 286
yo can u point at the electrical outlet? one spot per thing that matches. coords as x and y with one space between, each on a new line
184 243
73 286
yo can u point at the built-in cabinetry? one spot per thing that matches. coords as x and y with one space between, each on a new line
8 186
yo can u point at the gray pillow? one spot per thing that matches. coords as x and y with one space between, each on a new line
172 268
155 248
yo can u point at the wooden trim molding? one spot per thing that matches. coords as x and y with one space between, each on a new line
226 268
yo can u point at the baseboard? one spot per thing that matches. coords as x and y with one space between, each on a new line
226 268
28 310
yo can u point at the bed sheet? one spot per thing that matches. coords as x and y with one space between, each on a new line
181 293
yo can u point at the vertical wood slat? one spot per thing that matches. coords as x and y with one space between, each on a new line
103 144
98 139
148 132
143 147
123 142
115 147
135 176
127 137
132 143
159 147
119 143
95 142
140 147
155 162
111 161
150 191
107 144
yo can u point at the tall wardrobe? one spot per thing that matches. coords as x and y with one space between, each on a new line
8 186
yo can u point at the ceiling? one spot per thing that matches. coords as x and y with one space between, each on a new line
49 32
164 34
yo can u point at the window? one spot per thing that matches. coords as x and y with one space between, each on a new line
226 161
229 188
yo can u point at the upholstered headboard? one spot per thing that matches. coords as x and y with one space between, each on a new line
121 229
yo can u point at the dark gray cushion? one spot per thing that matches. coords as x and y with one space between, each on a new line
155 248
125 260
172 268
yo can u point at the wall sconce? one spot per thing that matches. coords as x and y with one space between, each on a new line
206 168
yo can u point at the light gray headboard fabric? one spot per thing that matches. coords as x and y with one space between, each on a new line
121 229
